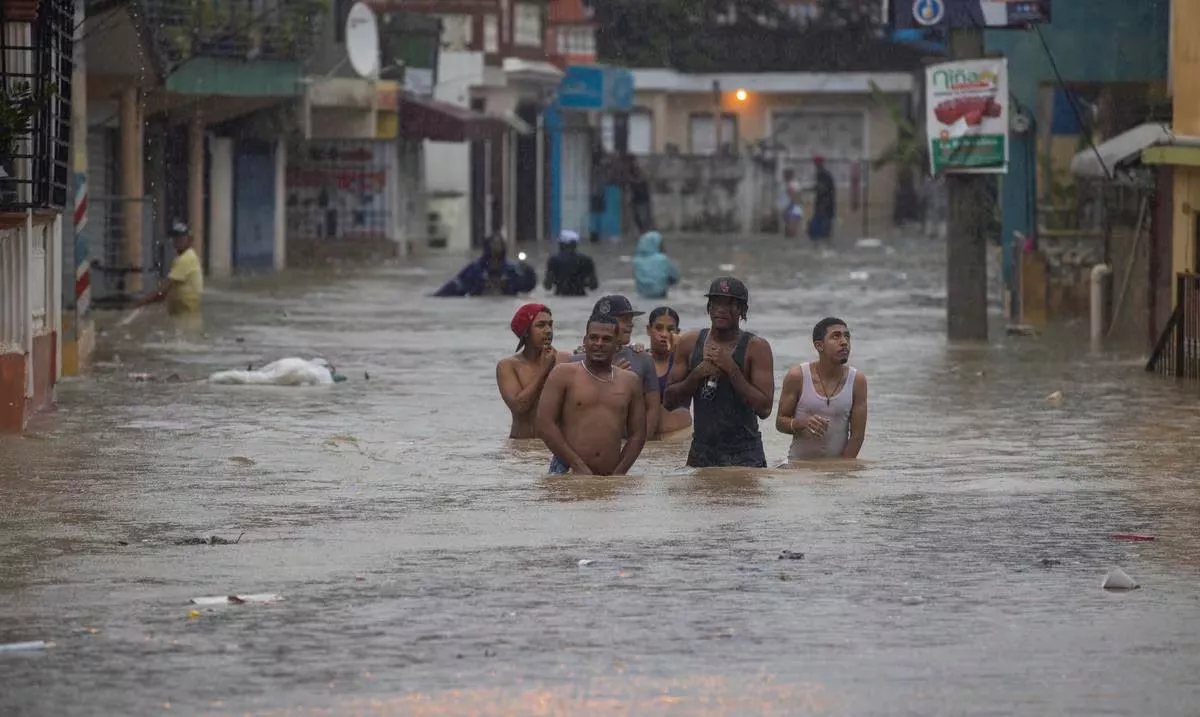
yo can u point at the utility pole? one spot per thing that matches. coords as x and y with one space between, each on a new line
966 243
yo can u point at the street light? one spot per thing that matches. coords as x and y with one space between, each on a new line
740 95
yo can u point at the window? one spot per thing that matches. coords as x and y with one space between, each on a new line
641 132
701 139
491 34
527 25
456 32
576 40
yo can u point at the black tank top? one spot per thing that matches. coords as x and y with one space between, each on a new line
725 430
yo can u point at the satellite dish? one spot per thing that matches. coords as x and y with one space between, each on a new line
362 40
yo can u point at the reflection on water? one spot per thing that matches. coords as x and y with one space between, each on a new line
431 567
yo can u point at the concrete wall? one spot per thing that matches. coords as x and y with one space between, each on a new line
705 193
758 119
30 317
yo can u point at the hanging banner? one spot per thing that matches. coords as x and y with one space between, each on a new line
966 116
957 14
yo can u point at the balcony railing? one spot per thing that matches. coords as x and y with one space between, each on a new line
36 68
234 29
1177 352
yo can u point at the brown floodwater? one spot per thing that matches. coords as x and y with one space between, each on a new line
430 568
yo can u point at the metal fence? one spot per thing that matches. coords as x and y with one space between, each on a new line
121 270
36 71
1177 353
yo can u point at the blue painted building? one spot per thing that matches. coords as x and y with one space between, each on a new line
1098 42
585 90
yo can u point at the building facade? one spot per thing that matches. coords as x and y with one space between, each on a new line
37 56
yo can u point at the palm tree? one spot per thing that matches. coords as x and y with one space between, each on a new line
909 155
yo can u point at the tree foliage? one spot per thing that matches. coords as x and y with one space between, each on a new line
669 33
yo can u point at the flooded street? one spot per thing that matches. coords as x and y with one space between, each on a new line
429 567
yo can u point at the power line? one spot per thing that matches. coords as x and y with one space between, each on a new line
1071 100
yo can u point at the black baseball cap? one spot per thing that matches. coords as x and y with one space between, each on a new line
729 286
615 305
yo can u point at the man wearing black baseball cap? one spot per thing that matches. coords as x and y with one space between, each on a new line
640 362
728 375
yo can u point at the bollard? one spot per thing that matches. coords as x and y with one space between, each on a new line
1099 271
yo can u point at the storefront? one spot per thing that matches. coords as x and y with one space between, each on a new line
585 95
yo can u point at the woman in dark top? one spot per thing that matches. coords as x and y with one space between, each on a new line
663 329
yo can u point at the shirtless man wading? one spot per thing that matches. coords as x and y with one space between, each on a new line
521 377
588 405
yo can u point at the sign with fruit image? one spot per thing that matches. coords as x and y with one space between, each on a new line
966 116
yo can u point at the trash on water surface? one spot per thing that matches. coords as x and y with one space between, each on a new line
1133 537
259 598
1056 396
585 562
859 276
868 243
210 540
25 646
912 600
790 555
1118 579
726 267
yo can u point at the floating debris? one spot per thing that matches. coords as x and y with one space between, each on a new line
585 562
26 646
859 276
1050 562
726 267
1133 537
257 599
241 461
1020 330
1118 579
912 600
1055 397
868 244
210 540
790 555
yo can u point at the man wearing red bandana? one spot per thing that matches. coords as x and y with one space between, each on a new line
522 376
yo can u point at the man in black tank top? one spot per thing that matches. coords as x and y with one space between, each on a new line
729 376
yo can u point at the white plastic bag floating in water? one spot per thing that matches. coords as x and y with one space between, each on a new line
284 372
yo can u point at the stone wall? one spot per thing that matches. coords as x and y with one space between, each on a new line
723 194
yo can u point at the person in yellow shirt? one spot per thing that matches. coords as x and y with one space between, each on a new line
185 284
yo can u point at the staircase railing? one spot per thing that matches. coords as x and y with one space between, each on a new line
1177 352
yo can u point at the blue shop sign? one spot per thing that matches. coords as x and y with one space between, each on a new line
954 14
592 87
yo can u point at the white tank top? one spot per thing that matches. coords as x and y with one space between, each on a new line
837 433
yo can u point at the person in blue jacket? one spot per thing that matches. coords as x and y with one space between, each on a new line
491 274
653 271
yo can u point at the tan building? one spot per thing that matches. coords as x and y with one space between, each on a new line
787 116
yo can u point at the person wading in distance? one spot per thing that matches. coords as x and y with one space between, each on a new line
729 376
823 404
522 376
587 406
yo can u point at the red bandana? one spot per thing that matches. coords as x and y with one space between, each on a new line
522 321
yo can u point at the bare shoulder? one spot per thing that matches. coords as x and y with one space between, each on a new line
564 357
687 338
758 344
562 372
860 379
794 374
506 364
627 377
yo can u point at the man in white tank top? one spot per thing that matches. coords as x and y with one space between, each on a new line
823 404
